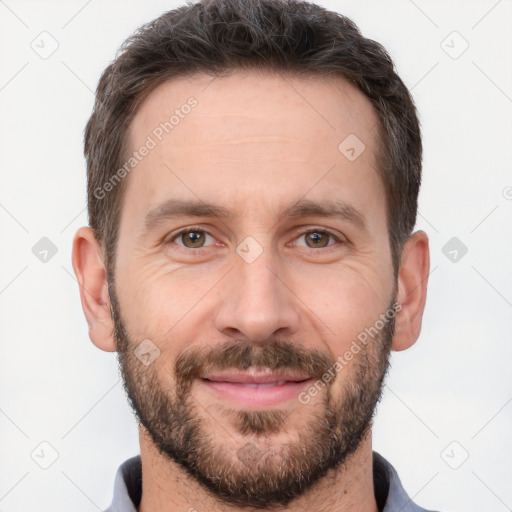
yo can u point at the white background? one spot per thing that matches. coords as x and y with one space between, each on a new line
453 385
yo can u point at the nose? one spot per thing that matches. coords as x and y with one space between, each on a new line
257 303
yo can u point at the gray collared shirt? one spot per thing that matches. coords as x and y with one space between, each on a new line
389 493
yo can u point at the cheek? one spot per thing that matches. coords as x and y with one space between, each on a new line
156 299
343 303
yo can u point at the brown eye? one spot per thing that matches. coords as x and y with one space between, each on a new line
317 239
193 239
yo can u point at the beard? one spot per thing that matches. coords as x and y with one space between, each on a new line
251 469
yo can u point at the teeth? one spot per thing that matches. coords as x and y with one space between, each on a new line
261 386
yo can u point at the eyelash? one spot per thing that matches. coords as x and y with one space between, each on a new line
193 229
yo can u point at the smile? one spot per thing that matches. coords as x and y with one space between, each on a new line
256 394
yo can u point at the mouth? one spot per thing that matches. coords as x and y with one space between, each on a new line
250 389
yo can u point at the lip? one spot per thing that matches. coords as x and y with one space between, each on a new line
252 390
255 378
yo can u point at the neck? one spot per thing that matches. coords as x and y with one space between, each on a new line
168 488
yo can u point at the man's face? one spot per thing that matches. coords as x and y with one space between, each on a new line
232 264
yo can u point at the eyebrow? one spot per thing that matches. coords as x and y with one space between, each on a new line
331 209
176 208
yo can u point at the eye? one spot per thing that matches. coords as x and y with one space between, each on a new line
192 238
317 239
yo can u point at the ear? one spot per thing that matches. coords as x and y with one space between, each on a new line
92 279
412 290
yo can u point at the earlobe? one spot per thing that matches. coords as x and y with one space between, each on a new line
92 279
412 290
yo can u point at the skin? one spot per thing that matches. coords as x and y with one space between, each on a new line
255 144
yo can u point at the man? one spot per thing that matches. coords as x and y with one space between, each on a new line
253 172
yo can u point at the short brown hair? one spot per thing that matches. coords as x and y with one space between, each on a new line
219 36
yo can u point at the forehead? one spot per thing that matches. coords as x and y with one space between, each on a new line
250 134
251 101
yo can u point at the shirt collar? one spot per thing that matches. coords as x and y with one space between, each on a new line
389 492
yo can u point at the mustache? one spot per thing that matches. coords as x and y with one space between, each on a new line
243 354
